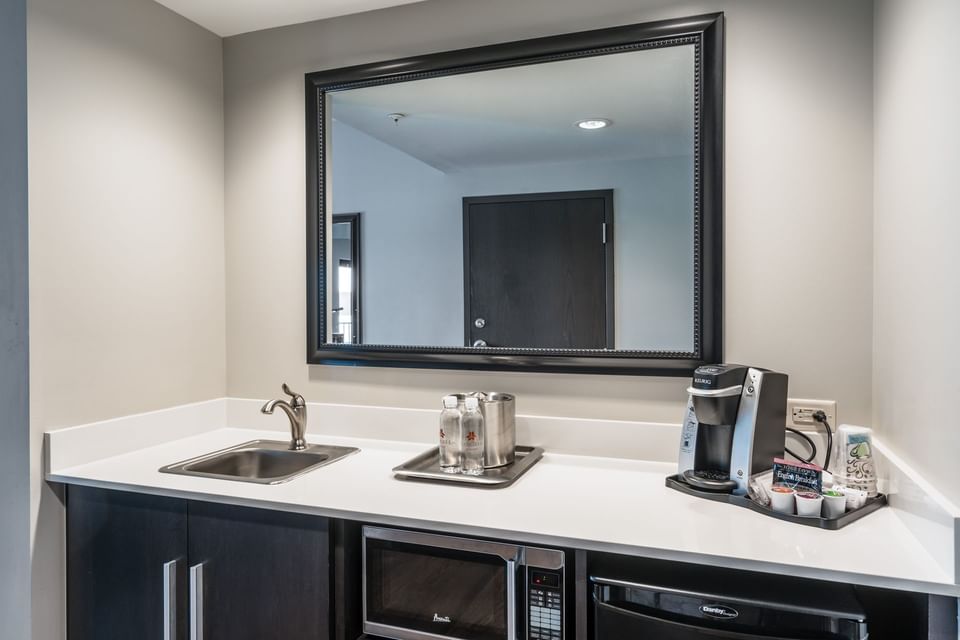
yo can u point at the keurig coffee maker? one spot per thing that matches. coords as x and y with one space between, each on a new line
734 427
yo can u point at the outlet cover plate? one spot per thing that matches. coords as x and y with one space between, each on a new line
799 408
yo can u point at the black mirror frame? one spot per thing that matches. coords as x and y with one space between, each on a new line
706 33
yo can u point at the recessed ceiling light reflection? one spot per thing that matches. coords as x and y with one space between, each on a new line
592 124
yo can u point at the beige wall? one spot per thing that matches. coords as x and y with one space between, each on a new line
917 227
798 161
126 230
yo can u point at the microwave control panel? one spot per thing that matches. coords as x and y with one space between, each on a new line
544 604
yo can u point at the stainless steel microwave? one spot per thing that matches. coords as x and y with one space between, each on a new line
423 586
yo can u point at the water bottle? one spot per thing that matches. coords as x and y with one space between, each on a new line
471 427
450 439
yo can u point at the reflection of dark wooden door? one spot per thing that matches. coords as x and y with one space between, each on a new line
538 270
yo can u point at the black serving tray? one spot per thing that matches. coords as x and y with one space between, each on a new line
831 524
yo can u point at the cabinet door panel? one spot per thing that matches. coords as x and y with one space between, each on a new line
266 574
117 546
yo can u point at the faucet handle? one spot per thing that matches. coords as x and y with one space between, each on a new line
295 398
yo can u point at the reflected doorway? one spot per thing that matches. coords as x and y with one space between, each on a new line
538 270
346 325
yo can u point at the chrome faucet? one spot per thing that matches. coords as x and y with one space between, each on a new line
296 410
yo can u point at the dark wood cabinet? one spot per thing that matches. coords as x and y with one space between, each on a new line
265 574
148 567
269 575
118 547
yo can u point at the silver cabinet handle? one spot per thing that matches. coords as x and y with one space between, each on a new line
511 599
196 602
479 343
170 600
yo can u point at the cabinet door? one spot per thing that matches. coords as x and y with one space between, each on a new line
120 580
264 574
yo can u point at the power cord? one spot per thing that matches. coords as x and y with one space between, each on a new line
810 443
821 417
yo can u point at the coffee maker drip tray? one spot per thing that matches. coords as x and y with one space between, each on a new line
709 480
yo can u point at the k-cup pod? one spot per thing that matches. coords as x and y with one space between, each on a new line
781 498
834 503
808 504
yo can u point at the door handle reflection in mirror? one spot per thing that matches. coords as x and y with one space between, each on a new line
479 343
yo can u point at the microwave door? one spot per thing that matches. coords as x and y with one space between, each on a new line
430 587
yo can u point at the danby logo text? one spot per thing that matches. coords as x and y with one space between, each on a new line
718 611
438 618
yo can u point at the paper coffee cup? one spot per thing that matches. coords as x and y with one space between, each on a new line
855 465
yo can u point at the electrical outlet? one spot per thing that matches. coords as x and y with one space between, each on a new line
800 412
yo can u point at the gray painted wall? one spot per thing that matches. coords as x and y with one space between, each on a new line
413 247
14 360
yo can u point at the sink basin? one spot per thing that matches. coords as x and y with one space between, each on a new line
260 461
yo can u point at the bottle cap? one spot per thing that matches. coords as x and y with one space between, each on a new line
449 402
471 403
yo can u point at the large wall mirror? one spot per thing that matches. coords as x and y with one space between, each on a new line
551 204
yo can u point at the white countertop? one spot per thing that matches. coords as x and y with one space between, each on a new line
594 503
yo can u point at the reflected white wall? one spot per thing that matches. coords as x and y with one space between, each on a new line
412 291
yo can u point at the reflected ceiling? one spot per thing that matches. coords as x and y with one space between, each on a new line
529 114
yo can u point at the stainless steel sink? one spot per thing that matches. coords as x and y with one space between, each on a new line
260 461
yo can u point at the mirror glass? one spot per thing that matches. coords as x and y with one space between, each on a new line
545 205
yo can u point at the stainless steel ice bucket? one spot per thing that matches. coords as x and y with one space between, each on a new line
500 428
499 424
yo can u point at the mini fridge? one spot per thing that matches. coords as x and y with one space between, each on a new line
751 609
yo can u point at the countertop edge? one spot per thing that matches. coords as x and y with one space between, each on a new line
926 524
935 588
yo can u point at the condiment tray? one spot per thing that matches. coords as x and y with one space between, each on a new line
832 524
426 467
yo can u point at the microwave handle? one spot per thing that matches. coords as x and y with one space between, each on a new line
511 599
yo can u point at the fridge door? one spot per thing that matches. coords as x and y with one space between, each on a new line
625 610
617 623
